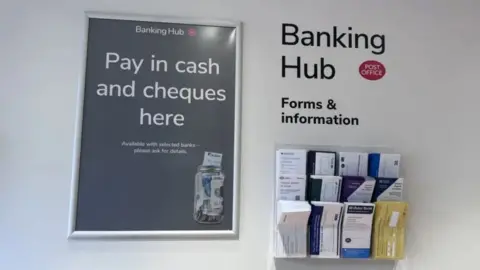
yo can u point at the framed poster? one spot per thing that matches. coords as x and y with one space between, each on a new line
158 129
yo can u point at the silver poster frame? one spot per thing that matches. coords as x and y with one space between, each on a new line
180 234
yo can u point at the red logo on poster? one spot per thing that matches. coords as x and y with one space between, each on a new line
372 70
192 32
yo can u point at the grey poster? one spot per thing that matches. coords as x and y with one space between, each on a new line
157 97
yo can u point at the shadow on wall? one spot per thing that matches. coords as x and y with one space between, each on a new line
5 151
332 264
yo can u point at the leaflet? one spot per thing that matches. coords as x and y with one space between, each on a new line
356 231
352 164
291 187
388 189
291 162
324 229
324 188
384 165
389 230
292 226
357 189
321 163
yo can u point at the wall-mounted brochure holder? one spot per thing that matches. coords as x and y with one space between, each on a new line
338 203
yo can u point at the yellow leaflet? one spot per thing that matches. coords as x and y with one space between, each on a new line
389 230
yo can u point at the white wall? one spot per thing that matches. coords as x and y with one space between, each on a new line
425 107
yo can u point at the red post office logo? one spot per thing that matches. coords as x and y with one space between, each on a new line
372 70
